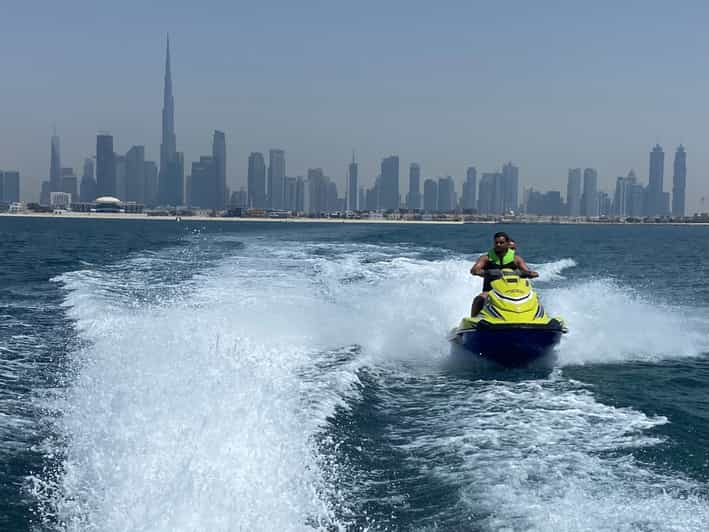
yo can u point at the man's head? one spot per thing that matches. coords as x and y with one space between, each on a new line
501 241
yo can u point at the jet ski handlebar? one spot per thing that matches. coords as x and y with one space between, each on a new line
498 274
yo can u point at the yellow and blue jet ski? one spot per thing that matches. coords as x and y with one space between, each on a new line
512 328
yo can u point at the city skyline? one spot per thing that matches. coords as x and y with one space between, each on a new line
544 164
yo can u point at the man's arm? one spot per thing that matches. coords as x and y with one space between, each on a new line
519 262
479 265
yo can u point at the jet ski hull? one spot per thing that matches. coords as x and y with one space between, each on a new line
510 346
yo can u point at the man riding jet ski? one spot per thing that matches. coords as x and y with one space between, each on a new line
509 324
502 255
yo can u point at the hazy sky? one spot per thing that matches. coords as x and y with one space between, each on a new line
546 84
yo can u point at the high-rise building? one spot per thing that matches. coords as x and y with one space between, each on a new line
256 185
150 171
389 192
589 199
654 203
629 197
486 193
299 194
316 197
203 183
135 174
171 181
543 204
219 155
604 204
276 176
45 193
105 166
510 188
70 184
430 195
55 166
414 198
573 192
289 192
352 185
371 196
9 186
446 195
470 187
121 171
679 182
87 189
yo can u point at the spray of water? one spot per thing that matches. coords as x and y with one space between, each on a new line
202 405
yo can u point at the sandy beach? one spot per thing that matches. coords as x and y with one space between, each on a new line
296 219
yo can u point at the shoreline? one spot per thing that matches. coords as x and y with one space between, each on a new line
295 219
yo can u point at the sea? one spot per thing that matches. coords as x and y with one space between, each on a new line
245 376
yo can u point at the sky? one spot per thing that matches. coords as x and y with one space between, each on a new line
548 85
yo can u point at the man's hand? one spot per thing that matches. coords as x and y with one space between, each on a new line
533 275
479 266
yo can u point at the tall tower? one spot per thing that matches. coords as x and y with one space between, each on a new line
589 198
654 188
573 192
256 181
389 193
470 187
55 166
276 178
352 185
171 163
105 166
510 188
219 156
679 182
414 197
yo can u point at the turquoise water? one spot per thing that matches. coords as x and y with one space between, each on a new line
282 376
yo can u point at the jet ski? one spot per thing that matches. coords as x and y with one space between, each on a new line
512 329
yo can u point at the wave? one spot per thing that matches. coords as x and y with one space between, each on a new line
202 390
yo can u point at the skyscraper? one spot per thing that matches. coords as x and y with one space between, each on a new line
573 192
654 205
629 196
135 174
256 186
430 195
290 187
389 192
470 187
219 156
316 194
55 166
589 199
87 189
352 185
105 165
9 186
486 193
413 199
121 168
171 178
276 178
150 171
70 184
679 182
446 194
202 183
510 188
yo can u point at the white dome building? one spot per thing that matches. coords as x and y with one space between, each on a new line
108 204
